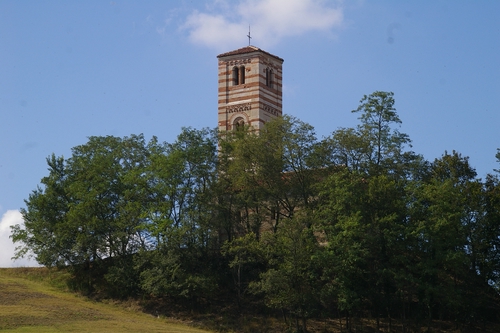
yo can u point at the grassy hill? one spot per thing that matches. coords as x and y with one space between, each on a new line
38 300
34 300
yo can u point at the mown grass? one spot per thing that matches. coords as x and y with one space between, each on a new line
37 300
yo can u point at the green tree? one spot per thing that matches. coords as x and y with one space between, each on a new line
246 259
346 147
375 146
292 281
242 200
287 163
363 219
488 239
363 212
44 217
270 175
451 228
377 116
88 209
498 159
180 217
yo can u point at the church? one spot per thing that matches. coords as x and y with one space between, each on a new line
250 88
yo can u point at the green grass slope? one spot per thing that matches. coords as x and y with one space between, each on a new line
31 302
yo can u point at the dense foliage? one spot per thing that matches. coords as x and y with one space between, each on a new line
353 225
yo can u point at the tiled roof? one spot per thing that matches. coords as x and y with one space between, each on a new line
246 49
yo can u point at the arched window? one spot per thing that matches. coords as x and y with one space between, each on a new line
269 77
236 75
242 75
239 124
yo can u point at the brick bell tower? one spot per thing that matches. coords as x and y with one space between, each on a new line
250 88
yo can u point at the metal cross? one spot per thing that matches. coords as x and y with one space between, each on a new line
249 36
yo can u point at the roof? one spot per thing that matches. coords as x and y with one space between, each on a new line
244 50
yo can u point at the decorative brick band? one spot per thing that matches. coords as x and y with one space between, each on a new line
270 110
238 62
239 108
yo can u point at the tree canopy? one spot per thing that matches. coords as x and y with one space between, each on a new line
349 226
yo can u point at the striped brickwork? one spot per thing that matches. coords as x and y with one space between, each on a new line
259 98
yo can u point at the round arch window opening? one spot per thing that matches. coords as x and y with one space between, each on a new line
239 124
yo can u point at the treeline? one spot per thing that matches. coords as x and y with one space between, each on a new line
355 225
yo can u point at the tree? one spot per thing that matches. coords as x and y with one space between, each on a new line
89 209
269 177
287 163
246 259
242 200
498 159
488 254
44 217
346 147
270 174
353 225
181 180
291 281
363 219
363 212
450 225
378 116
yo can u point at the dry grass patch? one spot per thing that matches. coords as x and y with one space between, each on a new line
30 304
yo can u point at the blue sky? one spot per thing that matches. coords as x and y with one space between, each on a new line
73 69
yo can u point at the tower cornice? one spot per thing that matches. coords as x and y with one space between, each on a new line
246 50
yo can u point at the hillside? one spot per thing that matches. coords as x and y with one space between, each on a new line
30 301
278 230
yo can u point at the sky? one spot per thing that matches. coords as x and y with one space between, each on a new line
74 69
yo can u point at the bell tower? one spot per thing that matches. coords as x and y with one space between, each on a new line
250 88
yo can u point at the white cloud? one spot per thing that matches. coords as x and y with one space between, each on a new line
226 25
11 217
